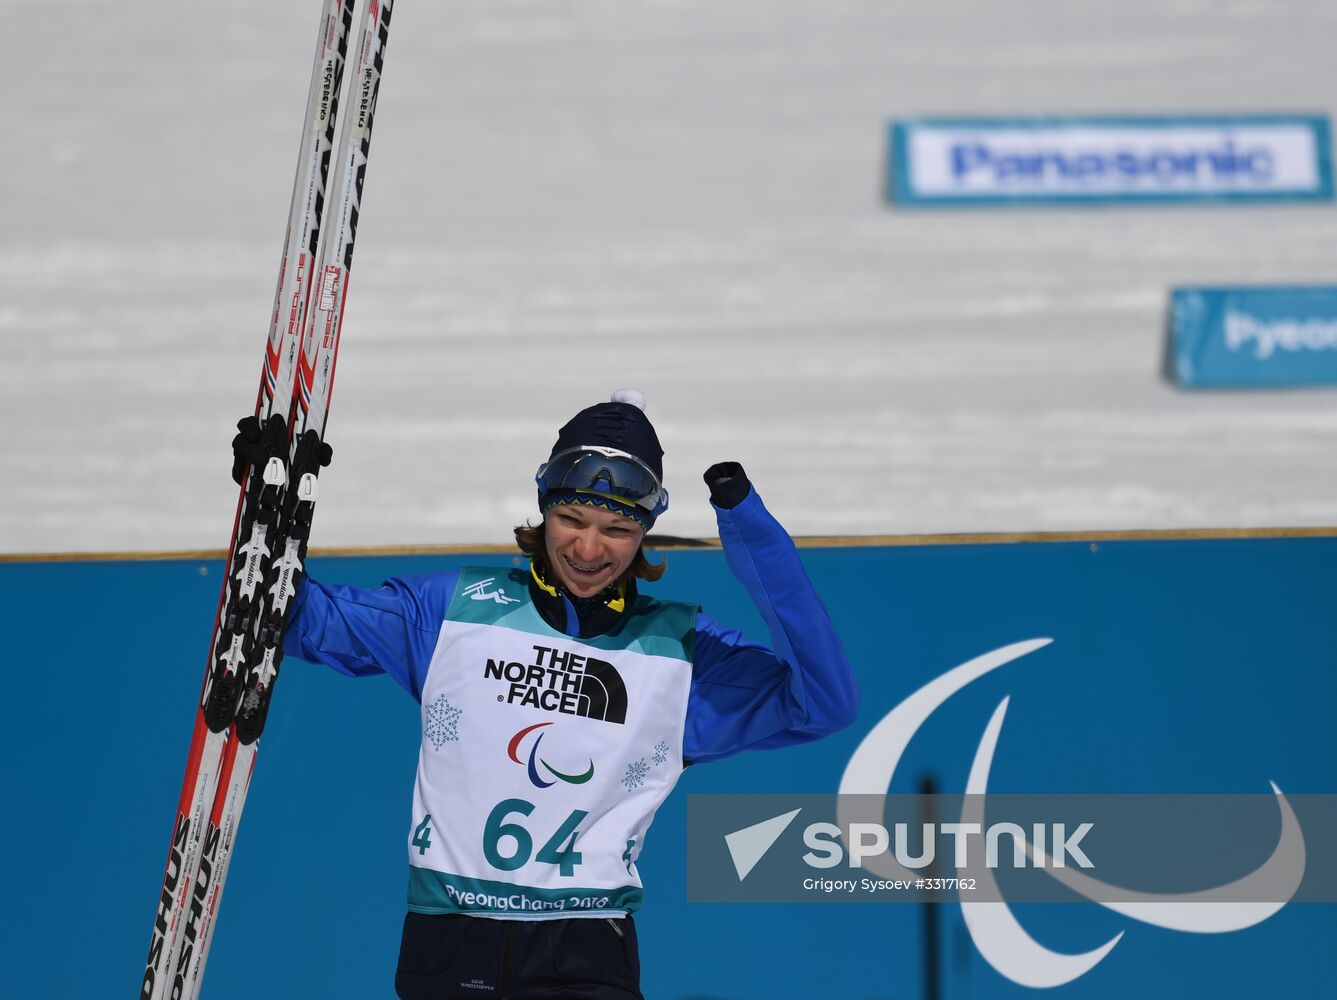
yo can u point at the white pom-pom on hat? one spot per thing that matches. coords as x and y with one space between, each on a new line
632 397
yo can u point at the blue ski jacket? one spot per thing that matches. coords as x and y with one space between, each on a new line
744 695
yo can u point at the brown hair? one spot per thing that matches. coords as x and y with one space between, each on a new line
533 542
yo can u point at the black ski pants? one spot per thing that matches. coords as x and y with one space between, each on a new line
454 957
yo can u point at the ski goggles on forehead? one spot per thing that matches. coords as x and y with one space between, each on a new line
608 471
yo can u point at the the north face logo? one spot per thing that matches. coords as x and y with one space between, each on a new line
558 681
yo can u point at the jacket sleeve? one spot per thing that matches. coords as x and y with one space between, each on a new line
746 696
390 630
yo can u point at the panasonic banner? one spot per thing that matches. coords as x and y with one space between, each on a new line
1001 161
1240 337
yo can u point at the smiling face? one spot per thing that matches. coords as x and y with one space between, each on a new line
589 548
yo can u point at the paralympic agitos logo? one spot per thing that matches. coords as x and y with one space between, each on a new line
534 761
995 930
565 682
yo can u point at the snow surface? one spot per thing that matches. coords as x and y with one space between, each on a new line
570 196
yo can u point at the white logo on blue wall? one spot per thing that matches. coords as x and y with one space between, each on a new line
998 935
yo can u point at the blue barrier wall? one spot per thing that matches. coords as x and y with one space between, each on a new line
1184 665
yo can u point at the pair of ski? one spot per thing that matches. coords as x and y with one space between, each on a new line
279 491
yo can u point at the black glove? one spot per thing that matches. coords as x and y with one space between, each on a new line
247 447
311 452
729 485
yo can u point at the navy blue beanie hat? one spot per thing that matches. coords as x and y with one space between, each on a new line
621 425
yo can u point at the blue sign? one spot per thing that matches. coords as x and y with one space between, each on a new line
1004 161
1228 337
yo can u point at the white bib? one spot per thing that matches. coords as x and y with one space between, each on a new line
544 758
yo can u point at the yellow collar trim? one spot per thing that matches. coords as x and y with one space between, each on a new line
618 603
543 584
